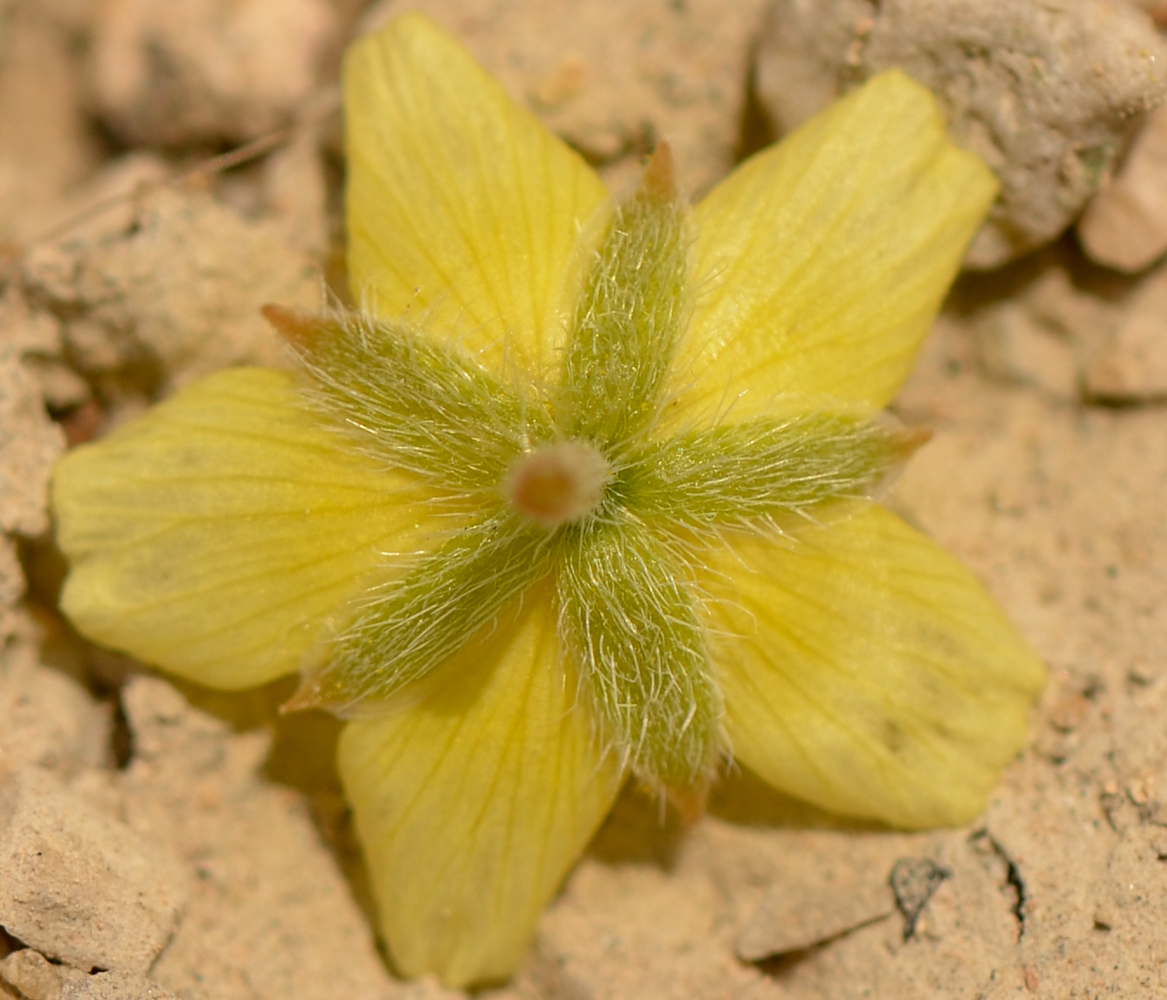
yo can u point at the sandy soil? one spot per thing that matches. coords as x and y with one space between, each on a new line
158 841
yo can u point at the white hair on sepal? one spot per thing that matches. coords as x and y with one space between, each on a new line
410 402
630 317
394 636
768 474
627 620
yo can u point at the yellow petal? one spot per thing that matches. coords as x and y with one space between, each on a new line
462 209
868 671
821 262
474 801
215 535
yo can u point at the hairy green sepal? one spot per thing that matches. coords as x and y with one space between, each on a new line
416 404
627 324
399 635
628 617
759 471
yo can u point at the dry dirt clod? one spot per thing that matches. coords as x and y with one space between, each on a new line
114 986
1131 366
202 71
33 975
80 885
50 720
12 585
268 905
29 445
176 292
1125 223
46 143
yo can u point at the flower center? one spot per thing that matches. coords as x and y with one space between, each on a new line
558 482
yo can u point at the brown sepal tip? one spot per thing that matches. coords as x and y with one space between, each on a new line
912 439
307 695
298 327
690 801
660 177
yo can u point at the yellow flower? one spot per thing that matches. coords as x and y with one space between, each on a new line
585 490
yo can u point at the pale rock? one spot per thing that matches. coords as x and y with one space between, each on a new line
51 722
61 387
108 201
207 70
1045 93
625 923
177 293
34 976
1132 365
12 586
175 742
35 337
29 445
79 885
1125 224
114 985
28 330
46 142
270 914
1080 306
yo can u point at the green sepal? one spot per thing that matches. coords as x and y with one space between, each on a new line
630 317
414 402
400 634
760 470
627 615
